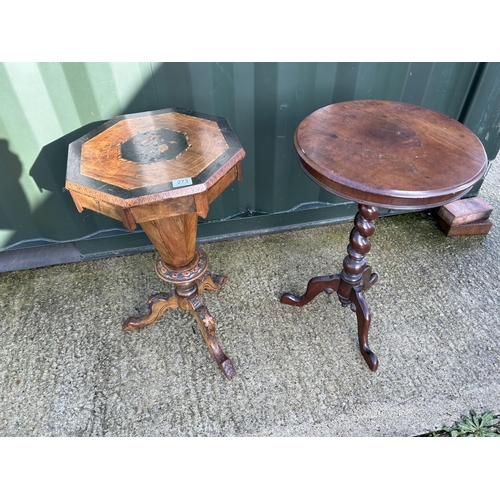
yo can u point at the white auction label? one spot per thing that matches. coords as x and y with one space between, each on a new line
186 181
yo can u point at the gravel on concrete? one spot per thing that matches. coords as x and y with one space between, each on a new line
68 369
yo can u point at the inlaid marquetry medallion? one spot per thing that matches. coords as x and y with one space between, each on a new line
151 150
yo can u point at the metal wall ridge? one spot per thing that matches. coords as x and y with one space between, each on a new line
46 106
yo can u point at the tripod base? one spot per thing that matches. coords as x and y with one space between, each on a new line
187 296
350 284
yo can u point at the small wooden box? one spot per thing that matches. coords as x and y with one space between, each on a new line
478 227
465 211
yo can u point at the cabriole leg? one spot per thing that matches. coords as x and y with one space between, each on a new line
355 277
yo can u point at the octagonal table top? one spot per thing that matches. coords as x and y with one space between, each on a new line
147 157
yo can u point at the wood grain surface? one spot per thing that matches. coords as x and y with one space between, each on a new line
158 164
465 211
102 157
174 238
389 154
477 227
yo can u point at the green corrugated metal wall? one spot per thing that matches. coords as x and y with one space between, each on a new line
45 106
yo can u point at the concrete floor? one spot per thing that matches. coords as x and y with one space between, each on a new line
68 369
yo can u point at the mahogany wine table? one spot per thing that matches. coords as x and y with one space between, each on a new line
161 169
381 154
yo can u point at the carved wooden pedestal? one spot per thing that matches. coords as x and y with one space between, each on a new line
190 282
381 154
161 169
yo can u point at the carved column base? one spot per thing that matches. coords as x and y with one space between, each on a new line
189 283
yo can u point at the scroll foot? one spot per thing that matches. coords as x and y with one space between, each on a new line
328 284
369 278
359 305
157 305
209 282
207 326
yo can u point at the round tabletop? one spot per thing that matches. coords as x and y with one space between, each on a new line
389 154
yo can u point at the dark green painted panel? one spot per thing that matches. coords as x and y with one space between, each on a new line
483 114
45 106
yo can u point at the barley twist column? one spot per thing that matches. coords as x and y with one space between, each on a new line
357 276
356 273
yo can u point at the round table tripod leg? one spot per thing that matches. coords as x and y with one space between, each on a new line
315 286
359 305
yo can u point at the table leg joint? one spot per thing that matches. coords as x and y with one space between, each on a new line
209 282
328 284
158 304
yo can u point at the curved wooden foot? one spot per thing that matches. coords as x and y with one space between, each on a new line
369 278
157 305
207 326
359 305
328 284
209 282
